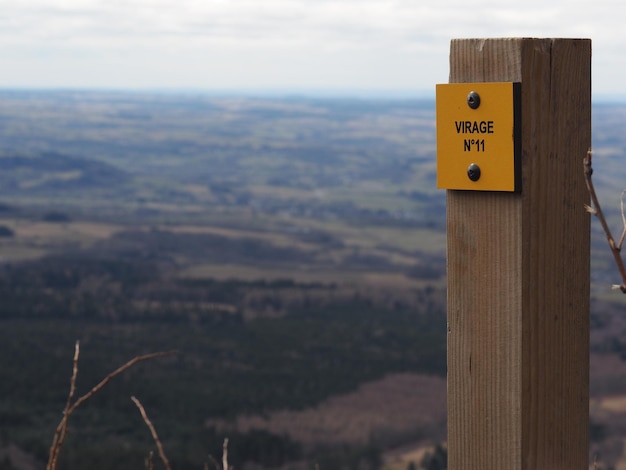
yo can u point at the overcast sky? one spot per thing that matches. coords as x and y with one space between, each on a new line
370 45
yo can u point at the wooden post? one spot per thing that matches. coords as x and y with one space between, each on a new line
518 272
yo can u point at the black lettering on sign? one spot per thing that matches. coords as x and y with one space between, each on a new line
470 145
474 127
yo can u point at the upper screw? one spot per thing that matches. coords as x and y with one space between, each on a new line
473 100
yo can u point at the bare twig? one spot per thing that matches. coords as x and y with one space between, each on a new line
597 211
155 436
61 430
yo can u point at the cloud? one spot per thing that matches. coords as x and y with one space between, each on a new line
346 23
385 43
350 23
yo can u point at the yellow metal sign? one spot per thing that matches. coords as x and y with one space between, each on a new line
478 136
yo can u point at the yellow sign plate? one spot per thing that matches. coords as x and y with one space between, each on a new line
478 136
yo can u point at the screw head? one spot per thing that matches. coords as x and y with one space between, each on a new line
473 172
473 100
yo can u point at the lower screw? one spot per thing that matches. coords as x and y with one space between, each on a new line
473 172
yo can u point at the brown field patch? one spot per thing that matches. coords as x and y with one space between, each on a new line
397 405
401 458
63 230
400 281
13 253
621 463
616 404
607 375
286 193
274 238
303 275
35 239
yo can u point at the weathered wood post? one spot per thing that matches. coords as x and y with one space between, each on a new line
518 258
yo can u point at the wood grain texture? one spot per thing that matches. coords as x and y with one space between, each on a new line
518 272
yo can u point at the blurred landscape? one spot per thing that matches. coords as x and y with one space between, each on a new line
291 249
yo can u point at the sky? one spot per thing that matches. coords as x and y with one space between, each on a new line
351 46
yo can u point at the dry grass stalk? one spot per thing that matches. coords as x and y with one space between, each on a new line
225 455
150 461
213 461
61 430
155 436
596 210
224 459
595 462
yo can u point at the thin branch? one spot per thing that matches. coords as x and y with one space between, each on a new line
74 376
116 372
155 436
597 211
621 239
213 461
61 430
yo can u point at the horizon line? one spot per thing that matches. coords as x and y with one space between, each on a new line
276 92
322 92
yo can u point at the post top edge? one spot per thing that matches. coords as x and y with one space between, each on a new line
521 38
